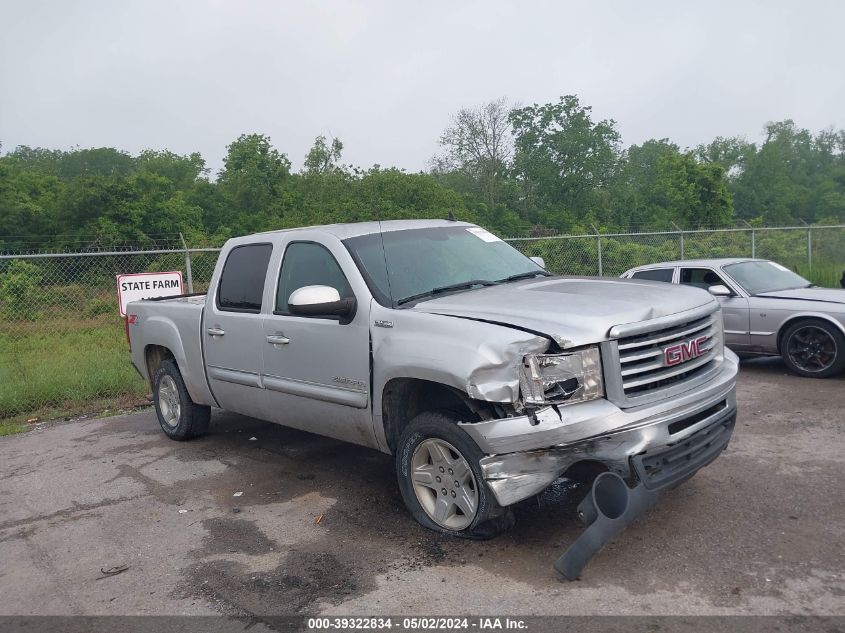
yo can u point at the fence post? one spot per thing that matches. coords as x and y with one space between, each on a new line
187 264
681 234
753 239
598 250
810 249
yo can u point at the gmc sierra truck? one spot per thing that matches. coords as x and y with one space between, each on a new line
487 377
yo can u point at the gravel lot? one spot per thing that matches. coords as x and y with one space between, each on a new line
320 528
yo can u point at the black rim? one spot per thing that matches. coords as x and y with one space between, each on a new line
812 349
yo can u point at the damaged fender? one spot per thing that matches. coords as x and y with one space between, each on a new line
479 359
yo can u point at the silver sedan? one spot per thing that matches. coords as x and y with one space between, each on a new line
767 310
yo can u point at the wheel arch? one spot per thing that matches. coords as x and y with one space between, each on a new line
154 356
403 398
806 316
166 339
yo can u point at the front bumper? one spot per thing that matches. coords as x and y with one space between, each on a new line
525 457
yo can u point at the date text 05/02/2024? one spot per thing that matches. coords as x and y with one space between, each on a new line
417 623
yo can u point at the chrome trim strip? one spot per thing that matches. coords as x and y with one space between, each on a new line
643 327
668 337
317 391
235 376
673 371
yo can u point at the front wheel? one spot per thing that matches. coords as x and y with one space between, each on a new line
179 416
814 349
440 479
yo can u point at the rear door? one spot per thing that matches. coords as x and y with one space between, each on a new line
233 338
735 312
317 369
655 274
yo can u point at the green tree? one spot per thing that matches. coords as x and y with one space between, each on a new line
323 157
252 180
658 186
563 159
793 176
477 148
18 288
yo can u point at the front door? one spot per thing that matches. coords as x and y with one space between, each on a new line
735 313
317 369
233 338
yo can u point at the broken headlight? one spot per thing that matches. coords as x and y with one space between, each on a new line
561 378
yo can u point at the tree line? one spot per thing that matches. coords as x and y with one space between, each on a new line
518 170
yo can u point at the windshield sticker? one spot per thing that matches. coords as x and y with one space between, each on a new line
483 234
779 267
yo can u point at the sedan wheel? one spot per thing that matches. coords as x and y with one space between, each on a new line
814 349
444 484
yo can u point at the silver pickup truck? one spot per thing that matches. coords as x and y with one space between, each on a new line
485 376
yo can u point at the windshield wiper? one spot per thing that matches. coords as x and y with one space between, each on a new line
527 275
463 285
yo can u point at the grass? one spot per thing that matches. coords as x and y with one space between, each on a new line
10 428
822 274
61 366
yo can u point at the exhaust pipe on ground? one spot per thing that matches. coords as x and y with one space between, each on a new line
608 508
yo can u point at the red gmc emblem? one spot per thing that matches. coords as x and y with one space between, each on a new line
683 352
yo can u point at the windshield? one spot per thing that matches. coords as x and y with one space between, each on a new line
760 277
422 261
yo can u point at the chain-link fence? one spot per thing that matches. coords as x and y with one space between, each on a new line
62 345
817 252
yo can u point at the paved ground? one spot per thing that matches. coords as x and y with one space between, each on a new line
762 530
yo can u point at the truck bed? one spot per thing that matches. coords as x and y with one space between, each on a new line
174 323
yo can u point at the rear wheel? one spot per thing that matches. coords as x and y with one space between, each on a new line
179 416
813 348
440 479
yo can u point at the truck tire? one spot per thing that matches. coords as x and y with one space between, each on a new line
179 417
813 348
441 482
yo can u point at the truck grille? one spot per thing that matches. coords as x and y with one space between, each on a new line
653 361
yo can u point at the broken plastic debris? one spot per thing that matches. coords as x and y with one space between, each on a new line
237 494
113 571
252 439
182 511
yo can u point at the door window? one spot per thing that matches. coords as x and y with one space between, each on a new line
242 281
308 264
655 274
701 278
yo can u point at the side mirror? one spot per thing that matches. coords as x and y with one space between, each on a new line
539 261
720 290
320 301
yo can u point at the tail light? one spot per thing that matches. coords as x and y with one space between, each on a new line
128 320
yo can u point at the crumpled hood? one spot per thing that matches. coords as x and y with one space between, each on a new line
572 311
830 295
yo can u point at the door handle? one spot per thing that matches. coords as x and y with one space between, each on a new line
278 340
215 331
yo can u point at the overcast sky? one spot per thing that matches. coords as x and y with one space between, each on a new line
385 77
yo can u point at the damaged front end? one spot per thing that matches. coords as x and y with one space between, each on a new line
567 419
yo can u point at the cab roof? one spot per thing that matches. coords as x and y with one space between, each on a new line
354 229
712 263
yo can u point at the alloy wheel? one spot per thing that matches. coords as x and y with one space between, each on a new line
168 401
444 484
812 349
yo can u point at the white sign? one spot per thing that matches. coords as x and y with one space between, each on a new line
147 286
